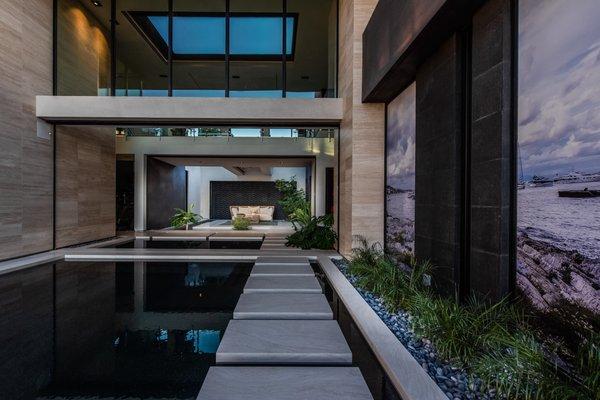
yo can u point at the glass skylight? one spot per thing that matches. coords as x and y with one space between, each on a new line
205 35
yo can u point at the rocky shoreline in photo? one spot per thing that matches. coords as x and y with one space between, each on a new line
560 284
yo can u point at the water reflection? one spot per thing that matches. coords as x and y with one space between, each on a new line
137 329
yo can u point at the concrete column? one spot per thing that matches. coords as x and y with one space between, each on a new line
491 148
362 135
139 198
438 158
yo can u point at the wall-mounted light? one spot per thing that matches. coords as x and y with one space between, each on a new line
97 3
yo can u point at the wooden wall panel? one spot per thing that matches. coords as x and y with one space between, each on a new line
362 135
25 159
85 184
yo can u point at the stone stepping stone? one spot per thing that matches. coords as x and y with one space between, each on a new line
283 342
282 269
282 284
281 260
282 306
284 383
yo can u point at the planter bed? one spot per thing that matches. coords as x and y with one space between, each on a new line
453 381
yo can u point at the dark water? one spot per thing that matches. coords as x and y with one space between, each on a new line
191 244
142 330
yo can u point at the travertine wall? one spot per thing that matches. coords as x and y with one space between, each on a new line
25 159
83 55
85 184
362 135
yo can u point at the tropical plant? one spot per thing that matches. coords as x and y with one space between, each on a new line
241 223
292 198
184 218
312 232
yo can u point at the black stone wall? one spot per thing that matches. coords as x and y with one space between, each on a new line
224 194
492 178
166 189
465 135
438 162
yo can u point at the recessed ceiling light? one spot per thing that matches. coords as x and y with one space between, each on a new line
97 3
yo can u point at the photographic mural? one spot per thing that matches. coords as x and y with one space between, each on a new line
400 179
558 254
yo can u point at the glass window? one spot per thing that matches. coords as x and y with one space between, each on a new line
311 66
558 235
83 49
199 49
198 35
142 63
260 34
400 178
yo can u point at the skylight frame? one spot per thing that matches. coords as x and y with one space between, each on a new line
143 25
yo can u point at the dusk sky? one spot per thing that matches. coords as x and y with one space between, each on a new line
401 122
559 86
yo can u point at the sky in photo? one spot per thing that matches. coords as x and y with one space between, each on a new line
401 121
559 86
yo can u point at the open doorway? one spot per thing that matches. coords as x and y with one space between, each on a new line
218 189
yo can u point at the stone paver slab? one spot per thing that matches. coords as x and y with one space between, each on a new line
282 283
281 260
282 269
283 342
284 383
282 306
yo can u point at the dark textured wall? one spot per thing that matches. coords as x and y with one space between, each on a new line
235 193
438 162
26 332
166 189
401 35
492 130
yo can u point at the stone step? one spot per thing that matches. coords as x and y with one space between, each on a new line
276 246
283 342
282 284
282 306
282 269
281 260
284 383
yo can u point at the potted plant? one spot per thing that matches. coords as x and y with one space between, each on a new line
185 218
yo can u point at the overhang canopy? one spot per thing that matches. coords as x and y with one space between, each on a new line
400 35
186 110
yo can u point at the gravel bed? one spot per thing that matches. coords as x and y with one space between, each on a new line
453 381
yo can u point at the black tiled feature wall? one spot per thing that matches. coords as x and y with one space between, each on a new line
243 193
491 121
438 162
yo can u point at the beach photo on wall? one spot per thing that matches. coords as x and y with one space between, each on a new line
558 191
400 177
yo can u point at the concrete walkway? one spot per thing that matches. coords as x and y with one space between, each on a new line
283 342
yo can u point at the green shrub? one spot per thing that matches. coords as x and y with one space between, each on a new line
184 218
494 341
292 198
312 232
241 223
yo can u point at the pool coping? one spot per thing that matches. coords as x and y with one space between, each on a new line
408 377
